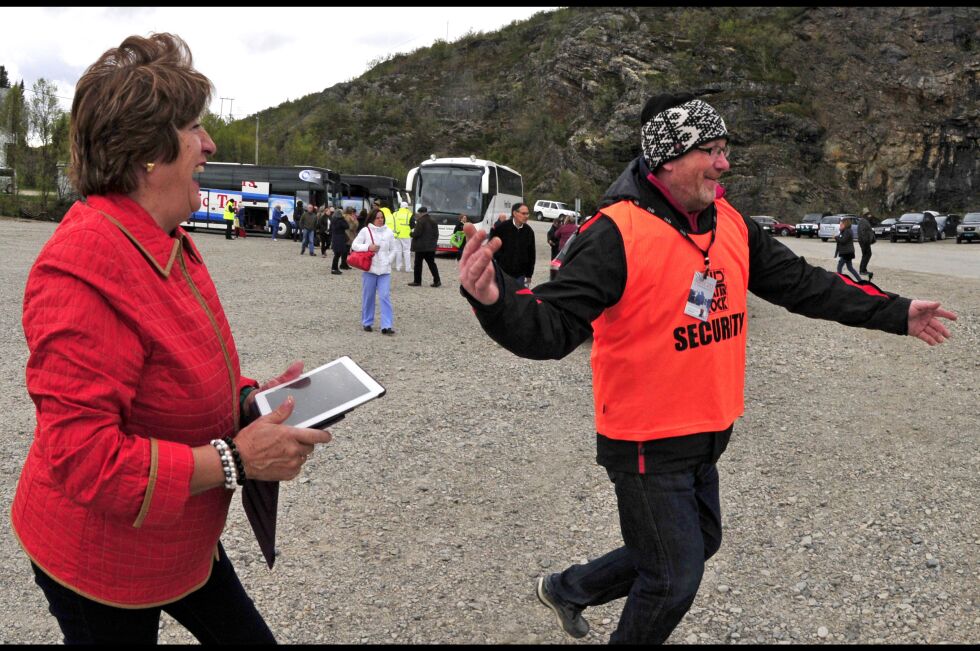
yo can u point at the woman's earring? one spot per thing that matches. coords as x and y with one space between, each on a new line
149 167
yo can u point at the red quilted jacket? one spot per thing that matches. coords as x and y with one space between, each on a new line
131 364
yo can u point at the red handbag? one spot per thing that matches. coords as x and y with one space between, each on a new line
362 259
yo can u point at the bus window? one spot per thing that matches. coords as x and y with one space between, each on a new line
509 183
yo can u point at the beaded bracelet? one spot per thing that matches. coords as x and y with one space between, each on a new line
237 458
227 463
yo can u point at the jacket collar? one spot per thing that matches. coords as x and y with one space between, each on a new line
159 249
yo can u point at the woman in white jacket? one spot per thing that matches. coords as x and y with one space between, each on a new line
377 280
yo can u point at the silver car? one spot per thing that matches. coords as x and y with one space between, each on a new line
830 226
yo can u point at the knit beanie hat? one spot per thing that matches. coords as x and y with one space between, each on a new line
674 125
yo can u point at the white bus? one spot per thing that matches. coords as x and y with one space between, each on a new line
450 187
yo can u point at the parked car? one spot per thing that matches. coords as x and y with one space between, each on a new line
968 230
916 227
947 225
765 222
776 227
884 229
830 225
810 224
552 210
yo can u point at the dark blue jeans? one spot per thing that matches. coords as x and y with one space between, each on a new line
220 612
671 524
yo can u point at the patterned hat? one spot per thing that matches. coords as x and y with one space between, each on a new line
678 128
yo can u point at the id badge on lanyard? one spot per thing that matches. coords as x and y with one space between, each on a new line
699 297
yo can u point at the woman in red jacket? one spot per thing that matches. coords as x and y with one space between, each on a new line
143 416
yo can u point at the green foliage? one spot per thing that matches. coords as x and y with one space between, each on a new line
760 41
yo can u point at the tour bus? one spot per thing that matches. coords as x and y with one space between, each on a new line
360 191
450 187
260 188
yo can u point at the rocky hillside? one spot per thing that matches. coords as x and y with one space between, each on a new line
829 108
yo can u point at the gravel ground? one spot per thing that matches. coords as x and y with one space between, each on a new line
849 490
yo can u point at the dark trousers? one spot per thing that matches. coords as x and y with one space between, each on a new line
865 256
430 261
671 524
339 260
229 225
324 244
220 612
849 261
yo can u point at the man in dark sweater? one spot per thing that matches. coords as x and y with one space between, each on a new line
516 253
667 374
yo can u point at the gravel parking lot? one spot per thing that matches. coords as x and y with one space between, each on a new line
849 490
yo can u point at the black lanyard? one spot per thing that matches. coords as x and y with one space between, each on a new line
683 232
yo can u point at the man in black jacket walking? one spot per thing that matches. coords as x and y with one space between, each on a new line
516 253
668 375
425 238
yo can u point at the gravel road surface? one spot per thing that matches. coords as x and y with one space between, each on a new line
849 490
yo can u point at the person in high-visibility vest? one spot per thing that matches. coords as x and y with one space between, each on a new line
229 217
403 237
668 373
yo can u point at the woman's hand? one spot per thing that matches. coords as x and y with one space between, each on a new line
374 247
272 451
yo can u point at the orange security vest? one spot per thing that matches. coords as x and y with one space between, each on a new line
657 372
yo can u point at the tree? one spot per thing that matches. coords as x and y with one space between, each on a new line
43 114
4 81
13 115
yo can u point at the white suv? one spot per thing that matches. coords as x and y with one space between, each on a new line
552 210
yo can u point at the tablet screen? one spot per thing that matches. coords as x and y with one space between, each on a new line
330 390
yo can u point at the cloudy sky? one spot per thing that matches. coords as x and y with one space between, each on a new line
256 57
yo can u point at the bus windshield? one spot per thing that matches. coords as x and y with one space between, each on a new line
451 190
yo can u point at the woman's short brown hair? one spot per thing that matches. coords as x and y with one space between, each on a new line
128 108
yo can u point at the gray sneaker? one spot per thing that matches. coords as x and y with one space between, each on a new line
569 616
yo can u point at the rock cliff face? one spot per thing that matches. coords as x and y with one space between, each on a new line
829 108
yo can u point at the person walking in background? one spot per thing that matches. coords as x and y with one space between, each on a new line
866 237
458 238
552 237
307 224
425 237
229 217
324 224
564 233
402 220
376 282
844 250
362 219
145 424
516 253
501 219
338 239
274 221
298 212
668 378
352 227
240 220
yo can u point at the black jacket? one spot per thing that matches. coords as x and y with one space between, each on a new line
556 318
845 244
425 234
516 254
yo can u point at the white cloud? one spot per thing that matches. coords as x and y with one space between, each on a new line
259 56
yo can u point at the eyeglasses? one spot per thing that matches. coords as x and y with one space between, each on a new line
716 151
523 212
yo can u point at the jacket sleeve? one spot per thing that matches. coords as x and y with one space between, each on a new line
83 374
360 242
779 276
554 318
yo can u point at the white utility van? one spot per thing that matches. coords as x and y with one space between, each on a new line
552 210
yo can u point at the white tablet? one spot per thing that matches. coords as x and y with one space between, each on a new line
322 395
